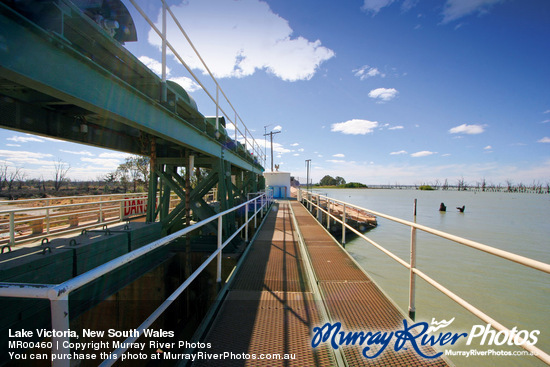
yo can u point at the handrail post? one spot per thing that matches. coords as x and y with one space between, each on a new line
246 223
12 228
121 209
164 92
255 212
328 214
412 275
59 308
220 240
48 221
100 212
344 226
319 212
217 108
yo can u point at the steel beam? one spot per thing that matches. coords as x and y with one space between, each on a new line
73 78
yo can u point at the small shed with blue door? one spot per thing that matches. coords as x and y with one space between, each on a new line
279 182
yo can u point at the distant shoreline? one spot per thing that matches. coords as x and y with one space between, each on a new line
512 190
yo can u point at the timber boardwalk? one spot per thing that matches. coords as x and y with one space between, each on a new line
273 303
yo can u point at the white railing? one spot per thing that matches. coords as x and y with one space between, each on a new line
34 219
237 122
314 200
59 294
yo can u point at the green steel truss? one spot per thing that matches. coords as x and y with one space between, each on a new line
65 79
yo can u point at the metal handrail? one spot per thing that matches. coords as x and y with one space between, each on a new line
99 207
531 263
59 294
165 43
26 201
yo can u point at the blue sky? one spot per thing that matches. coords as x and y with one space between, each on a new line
375 91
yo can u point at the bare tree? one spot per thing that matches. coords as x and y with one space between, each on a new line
509 185
61 169
13 176
3 175
21 179
461 184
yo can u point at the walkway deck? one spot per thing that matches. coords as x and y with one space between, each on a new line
272 305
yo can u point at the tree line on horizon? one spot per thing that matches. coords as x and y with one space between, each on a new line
133 176
461 185
339 182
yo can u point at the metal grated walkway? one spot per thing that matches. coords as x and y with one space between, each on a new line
271 307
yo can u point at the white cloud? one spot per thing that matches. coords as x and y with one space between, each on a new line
369 173
545 121
355 127
336 161
154 65
103 162
116 155
547 111
13 145
423 153
488 147
83 152
367 71
242 37
339 155
374 6
467 129
187 83
384 94
396 127
23 157
294 145
277 147
25 139
399 152
455 9
278 128
544 140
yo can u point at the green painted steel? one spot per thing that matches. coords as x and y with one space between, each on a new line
67 76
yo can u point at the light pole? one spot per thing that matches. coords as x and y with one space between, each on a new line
308 162
271 133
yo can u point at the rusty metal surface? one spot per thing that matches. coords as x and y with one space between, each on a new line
257 323
270 308
353 299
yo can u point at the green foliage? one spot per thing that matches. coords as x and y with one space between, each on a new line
426 187
353 185
331 181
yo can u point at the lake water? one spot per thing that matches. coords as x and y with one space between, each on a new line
510 293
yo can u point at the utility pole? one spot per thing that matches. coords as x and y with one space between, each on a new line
308 162
271 133
265 143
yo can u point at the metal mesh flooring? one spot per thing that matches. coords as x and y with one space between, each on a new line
270 308
353 299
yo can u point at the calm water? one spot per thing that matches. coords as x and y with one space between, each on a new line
510 293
